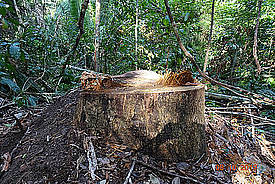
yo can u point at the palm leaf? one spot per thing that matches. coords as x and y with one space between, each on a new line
75 8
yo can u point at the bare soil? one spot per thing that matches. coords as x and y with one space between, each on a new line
44 154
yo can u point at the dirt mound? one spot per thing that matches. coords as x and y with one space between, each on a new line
44 154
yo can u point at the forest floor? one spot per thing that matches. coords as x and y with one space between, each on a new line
48 149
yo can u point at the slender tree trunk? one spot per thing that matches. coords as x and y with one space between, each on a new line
136 35
97 33
84 7
270 48
167 59
256 37
18 15
210 37
233 65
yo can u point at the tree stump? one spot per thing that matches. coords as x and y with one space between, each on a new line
166 122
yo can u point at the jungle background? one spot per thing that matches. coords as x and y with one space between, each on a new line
44 48
37 37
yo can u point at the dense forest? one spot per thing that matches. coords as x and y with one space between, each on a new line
45 45
38 39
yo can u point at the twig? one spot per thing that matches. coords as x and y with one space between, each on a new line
7 105
272 122
187 174
167 173
86 70
80 69
13 150
199 159
217 179
221 138
3 94
227 108
130 172
252 123
236 93
18 14
58 83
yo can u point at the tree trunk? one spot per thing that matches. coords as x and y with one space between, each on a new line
256 37
136 35
97 33
210 37
166 122
84 7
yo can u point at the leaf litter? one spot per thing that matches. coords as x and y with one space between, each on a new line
46 148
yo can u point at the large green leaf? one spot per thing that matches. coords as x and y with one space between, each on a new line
166 20
32 100
13 86
15 50
186 16
75 8
3 10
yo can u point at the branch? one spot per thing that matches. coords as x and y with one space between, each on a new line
267 121
167 173
198 68
129 173
226 97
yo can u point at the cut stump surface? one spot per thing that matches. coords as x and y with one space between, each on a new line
166 122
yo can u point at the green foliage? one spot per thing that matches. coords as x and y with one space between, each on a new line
11 84
75 8
31 59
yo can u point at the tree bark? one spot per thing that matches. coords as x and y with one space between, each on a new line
165 122
256 37
97 34
210 37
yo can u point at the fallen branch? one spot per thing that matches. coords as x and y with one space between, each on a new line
270 121
167 173
7 105
227 108
130 172
226 97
